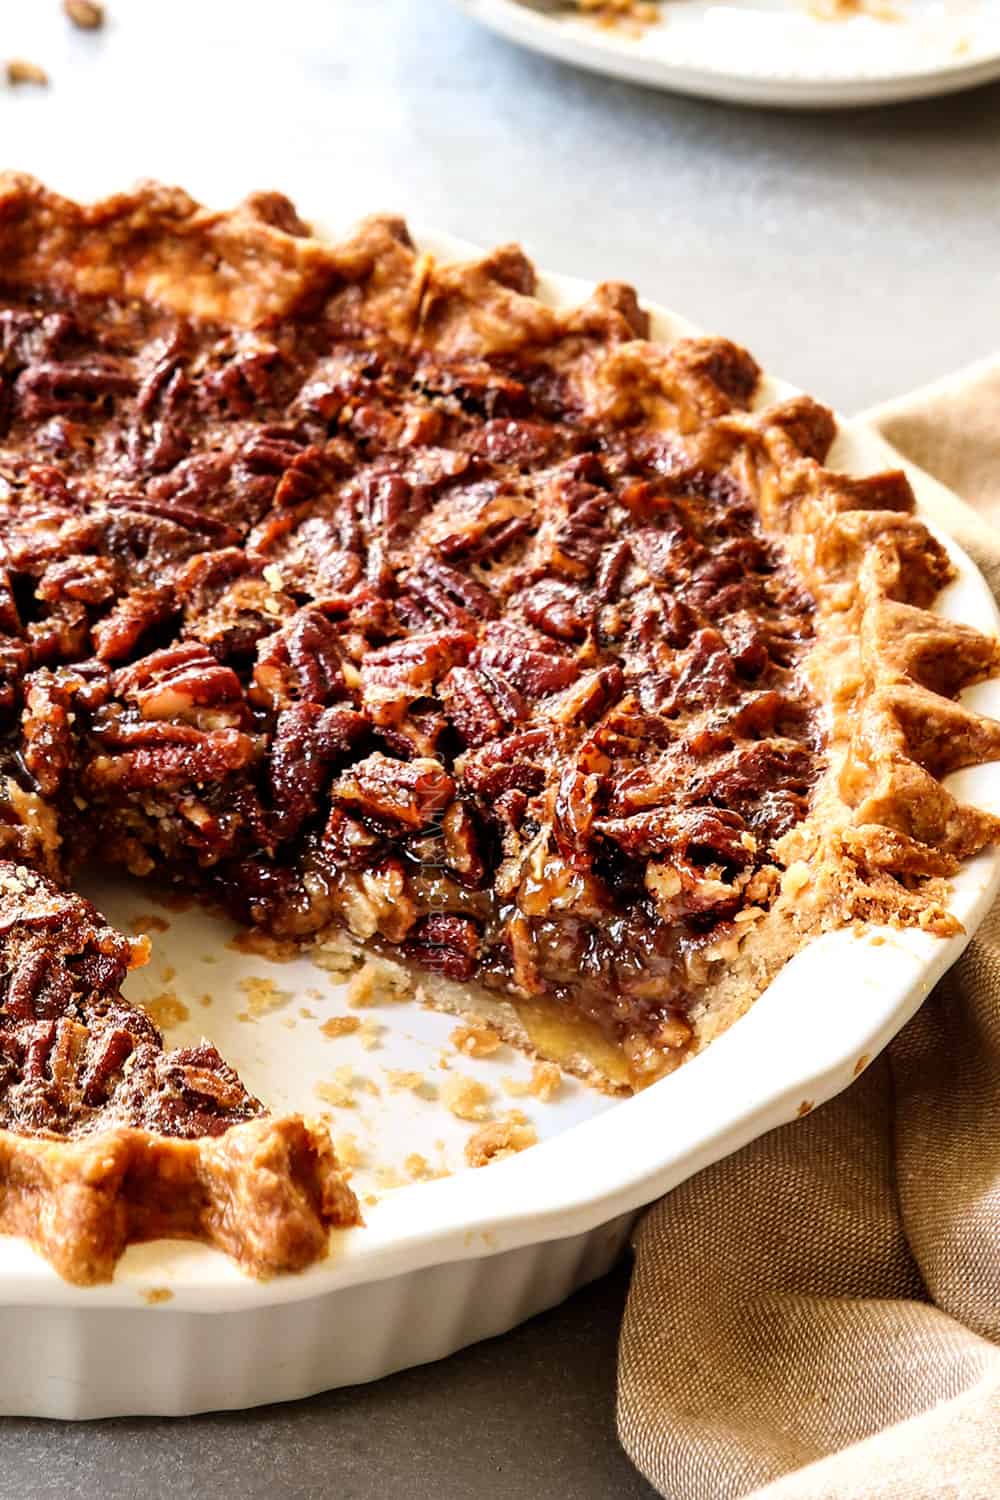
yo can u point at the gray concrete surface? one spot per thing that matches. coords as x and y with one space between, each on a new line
855 254
527 1415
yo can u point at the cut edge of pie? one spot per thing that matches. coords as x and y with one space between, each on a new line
881 836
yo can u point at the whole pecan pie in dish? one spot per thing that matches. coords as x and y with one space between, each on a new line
366 595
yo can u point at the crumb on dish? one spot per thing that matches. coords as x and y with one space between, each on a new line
166 1010
476 1038
263 996
337 1026
500 1139
466 1098
545 1082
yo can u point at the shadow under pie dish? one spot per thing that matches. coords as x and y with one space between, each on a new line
366 595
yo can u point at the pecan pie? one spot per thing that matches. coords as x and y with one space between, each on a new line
363 594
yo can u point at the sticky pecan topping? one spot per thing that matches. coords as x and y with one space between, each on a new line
358 590
414 641
73 1056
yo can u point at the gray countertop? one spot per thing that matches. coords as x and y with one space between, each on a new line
855 254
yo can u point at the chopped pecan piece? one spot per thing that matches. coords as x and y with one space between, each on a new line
307 741
446 944
444 591
402 794
519 761
113 1048
707 834
206 758
462 844
395 676
140 612
589 698
300 661
178 683
470 699
559 610
529 662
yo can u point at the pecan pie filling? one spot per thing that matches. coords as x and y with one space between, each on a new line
346 633
366 595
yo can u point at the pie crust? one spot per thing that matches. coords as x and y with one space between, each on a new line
394 609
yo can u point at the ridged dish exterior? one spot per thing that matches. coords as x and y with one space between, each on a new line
74 1364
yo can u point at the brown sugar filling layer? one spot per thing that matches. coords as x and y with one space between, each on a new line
345 632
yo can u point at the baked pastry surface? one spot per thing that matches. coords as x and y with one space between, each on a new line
359 593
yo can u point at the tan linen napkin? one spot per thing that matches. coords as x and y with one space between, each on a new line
818 1316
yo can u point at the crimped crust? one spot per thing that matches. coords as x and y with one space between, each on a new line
438 571
266 1193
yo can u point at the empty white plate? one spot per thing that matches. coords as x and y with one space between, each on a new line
778 52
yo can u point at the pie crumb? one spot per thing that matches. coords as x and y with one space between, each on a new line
263 995
419 1169
147 922
504 1137
795 878
467 1098
476 1039
336 1026
338 1091
152 1295
545 1082
378 982
369 1033
349 1153
401 1079
166 1010
389 1177
337 953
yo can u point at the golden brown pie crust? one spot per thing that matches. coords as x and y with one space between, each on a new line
881 836
266 1193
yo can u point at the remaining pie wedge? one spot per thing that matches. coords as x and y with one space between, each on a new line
383 604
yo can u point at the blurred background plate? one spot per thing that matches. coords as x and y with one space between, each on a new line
773 52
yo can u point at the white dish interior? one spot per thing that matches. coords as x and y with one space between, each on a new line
785 52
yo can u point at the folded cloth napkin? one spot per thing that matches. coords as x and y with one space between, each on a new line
818 1316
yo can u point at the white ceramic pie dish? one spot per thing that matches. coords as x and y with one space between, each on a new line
774 52
443 1263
